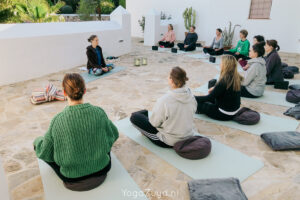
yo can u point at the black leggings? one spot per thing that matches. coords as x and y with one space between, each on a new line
211 110
189 48
245 93
236 56
166 44
213 52
141 121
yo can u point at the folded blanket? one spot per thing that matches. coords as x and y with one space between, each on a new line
289 140
216 189
47 94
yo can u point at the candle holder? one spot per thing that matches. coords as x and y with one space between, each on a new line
144 61
137 62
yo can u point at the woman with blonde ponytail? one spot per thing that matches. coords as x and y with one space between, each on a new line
223 100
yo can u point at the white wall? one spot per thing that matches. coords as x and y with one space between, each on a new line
32 50
283 24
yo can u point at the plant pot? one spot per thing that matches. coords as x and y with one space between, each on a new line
226 48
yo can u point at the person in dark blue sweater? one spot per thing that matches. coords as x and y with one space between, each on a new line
190 41
96 62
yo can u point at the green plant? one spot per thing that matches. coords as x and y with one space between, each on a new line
142 23
228 34
107 6
38 11
72 3
189 16
163 16
122 3
87 8
66 9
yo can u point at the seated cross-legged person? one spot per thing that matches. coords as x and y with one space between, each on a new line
78 142
169 38
254 82
224 100
190 41
242 48
172 118
273 63
216 48
256 39
96 62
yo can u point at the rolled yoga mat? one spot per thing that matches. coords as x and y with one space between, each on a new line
223 161
118 185
91 77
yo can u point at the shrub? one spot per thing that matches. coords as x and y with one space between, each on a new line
107 6
123 3
87 8
66 9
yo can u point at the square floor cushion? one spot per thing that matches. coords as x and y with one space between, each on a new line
279 141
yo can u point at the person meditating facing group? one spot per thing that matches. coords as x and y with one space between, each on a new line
172 118
190 41
216 48
78 142
96 62
169 38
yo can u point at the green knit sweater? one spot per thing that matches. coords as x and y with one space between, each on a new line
78 140
242 47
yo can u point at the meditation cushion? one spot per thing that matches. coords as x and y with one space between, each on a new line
293 112
155 48
196 147
294 69
212 59
174 50
243 63
284 85
287 74
284 65
293 96
212 83
279 141
246 116
294 87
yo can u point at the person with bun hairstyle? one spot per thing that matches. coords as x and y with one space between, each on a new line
242 48
96 62
216 48
224 100
254 82
172 118
78 142
169 38
273 63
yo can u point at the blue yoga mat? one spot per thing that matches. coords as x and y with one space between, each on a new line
90 77
267 123
223 161
117 186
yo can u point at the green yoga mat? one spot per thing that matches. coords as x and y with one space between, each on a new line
269 97
90 77
267 123
223 161
117 186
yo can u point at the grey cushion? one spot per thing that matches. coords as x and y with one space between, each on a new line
294 87
282 140
293 96
196 147
216 189
293 112
246 116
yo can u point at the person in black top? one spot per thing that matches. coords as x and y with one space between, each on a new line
96 63
223 100
190 41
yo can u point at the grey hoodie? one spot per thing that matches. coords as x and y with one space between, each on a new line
256 77
173 115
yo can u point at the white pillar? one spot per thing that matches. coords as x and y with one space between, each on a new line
152 25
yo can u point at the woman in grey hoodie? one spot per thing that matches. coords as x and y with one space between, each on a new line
172 119
255 78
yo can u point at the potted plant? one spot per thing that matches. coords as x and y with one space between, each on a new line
142 25
228 35
189 16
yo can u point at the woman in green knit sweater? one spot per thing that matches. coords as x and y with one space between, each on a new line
78 142
241 51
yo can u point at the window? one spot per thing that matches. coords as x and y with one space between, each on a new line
260 9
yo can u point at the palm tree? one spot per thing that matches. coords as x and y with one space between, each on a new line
38 11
